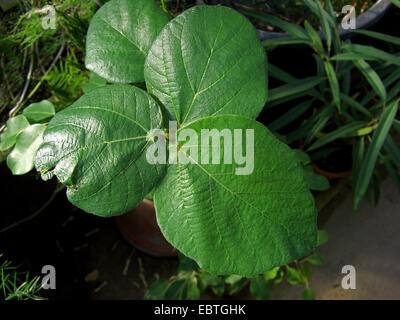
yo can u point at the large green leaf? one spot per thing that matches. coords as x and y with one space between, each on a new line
97 146
119 37
21 158
14 126
207 61
237 224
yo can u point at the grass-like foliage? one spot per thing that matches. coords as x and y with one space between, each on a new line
16 284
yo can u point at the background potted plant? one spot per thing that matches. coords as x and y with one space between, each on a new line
365 13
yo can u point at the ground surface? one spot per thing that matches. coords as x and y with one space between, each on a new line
369 240
93 261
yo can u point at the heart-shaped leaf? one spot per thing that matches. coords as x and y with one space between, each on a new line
97 146
21 158
40 111
234 223
119 37
205 62
14 126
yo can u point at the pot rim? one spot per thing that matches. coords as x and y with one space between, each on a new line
367 19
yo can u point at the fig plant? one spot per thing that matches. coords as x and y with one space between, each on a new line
204 69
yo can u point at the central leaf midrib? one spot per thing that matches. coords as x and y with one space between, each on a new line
198 91
117 174
99 144
234 194
115 112
123 35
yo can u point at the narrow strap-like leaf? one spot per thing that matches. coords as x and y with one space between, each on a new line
293 114
314 36
278 73
314 8
336 134
372 78
356 105
396 3
393 150
292 29
272 43
379 36
333 81
324 16
368 165
371 53
293 88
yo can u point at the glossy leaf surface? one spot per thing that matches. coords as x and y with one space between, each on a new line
96 147
119 37
237 224
205 62
21 158
14 126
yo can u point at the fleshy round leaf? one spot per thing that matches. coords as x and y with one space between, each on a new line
234 223
205 62
97 147
14 126
21 159
119 37
39 111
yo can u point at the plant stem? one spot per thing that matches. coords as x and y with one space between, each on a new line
47 71
23 93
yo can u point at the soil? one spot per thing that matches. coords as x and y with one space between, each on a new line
91 258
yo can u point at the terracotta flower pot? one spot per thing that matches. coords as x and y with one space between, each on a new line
139 227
